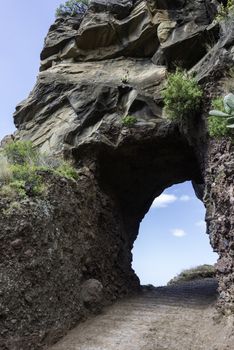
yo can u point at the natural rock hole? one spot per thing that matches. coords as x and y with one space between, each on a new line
172 237
135 174
61 253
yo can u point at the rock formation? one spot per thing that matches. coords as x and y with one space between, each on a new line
65 253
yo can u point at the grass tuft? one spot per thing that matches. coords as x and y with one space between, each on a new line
199 272
20 170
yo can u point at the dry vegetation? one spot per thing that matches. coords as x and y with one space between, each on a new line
199 272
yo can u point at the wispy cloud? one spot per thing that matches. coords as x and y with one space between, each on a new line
164 200
201 223
185 198
178 232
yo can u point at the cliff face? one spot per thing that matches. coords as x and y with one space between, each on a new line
77 241
110 64
219 200
54 252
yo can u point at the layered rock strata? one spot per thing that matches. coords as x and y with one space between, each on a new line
95 71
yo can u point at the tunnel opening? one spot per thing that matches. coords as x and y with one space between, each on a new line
134 174
172 238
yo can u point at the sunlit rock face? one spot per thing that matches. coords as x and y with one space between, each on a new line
95 71
111 62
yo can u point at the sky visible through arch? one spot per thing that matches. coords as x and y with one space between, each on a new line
172 234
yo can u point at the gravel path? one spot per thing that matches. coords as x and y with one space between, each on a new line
173 318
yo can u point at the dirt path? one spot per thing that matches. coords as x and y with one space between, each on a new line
172 318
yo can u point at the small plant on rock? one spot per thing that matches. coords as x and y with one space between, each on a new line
72 8
65 169
221 118
129 120
20 152
225 10
182 96
125 78
22 166
20 158
5 170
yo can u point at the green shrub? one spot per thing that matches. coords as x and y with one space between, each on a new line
5 171
15 188
72 8
26 177
129 120
199 272
225 11
7 191
20 167
182 96
217 126
13 207
67 170
20 152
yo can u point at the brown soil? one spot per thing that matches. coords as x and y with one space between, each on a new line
178 317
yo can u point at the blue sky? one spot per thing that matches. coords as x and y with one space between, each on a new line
23 26
172 235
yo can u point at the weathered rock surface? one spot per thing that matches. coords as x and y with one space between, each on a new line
54 251
96 70
219 201
78 99
168 31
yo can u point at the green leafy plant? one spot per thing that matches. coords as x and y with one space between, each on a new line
26 178
225 10
129 120
14 206
5 170
21 167
182 96
221 117
65 169
72 8
20 152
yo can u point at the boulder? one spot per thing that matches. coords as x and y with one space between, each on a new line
92 292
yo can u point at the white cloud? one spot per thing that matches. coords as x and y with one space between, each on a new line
178 232
185 198
164 200
201 223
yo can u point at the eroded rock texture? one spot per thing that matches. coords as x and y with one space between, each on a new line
62 257
96 70
219 201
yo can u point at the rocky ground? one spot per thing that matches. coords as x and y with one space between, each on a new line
176 317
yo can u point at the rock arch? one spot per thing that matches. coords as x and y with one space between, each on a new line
84 231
